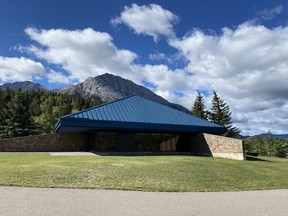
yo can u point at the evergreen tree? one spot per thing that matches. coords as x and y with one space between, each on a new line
35 101
220 114
77 104
198 108
46 119
62 106
18 121
2 105
2 113
27 113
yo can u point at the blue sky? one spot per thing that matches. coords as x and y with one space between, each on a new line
238 48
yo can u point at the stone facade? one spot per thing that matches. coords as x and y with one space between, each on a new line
44 143
197 144
217 146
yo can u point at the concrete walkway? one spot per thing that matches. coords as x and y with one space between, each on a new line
35 201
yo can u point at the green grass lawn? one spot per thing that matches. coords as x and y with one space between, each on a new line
145 173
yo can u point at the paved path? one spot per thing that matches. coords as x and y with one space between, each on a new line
35 201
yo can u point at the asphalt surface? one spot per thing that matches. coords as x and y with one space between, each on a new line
36 201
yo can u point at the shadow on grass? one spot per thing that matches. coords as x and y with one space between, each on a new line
251 158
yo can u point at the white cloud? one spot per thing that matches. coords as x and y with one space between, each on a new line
251 59
248 66
270 13
19 69
152 20
156 56
88 53
168 82
82 53
59 78
172 60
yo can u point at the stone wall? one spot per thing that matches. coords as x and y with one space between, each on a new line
201 144
44 143
217 146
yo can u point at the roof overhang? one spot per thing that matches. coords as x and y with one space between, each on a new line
84 125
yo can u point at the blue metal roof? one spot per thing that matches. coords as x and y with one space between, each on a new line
137 114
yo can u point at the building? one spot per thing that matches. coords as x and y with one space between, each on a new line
134 124
131 124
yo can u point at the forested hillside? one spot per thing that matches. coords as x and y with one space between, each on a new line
24 113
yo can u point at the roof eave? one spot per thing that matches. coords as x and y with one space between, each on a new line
134 126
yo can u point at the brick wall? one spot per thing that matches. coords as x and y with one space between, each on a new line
43 143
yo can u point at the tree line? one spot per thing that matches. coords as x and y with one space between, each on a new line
267 145
25 113
220 113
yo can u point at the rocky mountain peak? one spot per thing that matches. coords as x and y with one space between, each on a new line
25 86
106 87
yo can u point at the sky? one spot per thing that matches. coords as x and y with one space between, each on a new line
175 48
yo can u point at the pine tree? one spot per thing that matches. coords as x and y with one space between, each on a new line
2 105
198 108
77 103
35 101
2 113
18 121
46 119
27 113
220 114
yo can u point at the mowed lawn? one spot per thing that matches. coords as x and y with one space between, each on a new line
145 173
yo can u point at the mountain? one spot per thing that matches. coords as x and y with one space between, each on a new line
108 87
273 136
25 86
281 136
